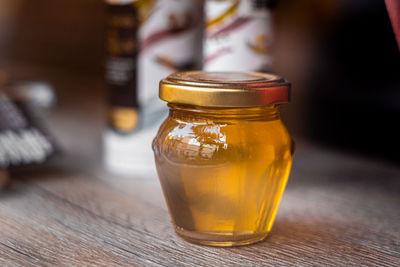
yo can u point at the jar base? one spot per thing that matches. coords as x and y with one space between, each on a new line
221 239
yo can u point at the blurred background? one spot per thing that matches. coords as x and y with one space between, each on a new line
341 57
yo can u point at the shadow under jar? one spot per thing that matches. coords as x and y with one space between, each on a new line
223 155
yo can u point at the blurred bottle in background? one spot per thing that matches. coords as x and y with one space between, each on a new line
169 34
239 35
121 65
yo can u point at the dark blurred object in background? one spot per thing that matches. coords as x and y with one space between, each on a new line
4 179
348 73
355 98
393 8
121 46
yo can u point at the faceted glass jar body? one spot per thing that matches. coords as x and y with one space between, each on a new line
223 171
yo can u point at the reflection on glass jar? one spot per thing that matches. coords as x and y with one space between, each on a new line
223 164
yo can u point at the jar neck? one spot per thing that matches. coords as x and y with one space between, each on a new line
270 112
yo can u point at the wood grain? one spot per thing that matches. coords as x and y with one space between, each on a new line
337 210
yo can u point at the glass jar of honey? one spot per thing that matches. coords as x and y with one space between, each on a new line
223 155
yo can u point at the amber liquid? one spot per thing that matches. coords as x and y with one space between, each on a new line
223 172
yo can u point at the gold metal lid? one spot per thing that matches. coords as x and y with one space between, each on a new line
224 89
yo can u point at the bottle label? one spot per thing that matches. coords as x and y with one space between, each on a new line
238 36
170 40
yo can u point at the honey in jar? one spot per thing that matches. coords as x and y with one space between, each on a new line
223 155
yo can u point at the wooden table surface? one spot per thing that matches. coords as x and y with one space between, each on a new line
338 209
